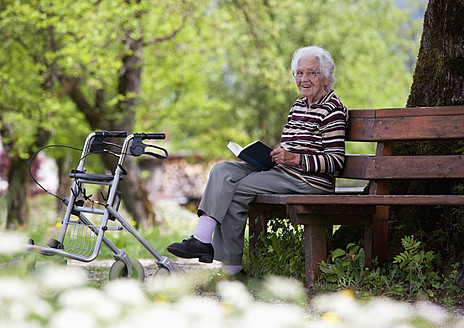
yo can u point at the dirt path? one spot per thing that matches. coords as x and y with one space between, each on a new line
98 271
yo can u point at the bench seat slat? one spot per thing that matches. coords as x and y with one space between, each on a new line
273 199
432 200
280 199
334 199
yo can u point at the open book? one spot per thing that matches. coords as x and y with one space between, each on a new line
256 154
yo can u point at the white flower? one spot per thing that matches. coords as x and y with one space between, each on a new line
284 289
342 303
94 302
11 242
235 294
169 288
274 316
431 312
383 313
18 300
127 292
159 316
56 278
73 318
200 312
378 312
9 323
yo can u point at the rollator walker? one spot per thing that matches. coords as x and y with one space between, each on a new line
80 239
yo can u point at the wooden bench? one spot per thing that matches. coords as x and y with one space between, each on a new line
371 208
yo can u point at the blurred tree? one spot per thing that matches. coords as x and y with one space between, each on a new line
26 107
88 52
203 72
251 48
109 102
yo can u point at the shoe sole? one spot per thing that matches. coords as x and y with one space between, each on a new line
202 257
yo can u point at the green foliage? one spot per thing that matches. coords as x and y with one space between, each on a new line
346 267
410 275
417 266
233 80
211 71
280 251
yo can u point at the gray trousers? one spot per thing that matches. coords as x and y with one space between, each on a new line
230 189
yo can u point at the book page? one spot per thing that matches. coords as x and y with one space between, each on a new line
251 144
234 148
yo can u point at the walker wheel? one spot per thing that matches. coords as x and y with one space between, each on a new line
162 272
29 261
119 270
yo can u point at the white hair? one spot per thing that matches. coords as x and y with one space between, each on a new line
326 64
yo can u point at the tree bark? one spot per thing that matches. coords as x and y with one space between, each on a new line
18 195
135 194
439 73
438 81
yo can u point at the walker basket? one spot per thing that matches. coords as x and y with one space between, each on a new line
80 238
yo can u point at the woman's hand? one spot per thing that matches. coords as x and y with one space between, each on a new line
281 156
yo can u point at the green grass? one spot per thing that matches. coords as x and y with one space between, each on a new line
44 223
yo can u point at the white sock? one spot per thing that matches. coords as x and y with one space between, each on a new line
231 269
205 228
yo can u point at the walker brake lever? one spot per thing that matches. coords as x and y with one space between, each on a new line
158 156
137 148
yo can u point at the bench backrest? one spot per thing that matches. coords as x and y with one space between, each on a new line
385 126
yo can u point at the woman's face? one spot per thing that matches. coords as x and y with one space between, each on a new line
311 84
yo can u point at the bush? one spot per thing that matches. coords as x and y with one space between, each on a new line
411 274
280 251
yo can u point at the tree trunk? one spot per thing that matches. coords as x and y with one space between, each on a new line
438 81
439 74
18 194
134 192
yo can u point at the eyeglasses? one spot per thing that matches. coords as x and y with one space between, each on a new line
309 72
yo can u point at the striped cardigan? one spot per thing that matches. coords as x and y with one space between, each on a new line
318 133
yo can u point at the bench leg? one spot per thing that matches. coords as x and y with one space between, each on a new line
258 216
255 227
376 236
315 243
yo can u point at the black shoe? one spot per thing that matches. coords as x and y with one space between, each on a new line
192 248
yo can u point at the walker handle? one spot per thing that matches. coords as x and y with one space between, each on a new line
152 135
137 147
111 134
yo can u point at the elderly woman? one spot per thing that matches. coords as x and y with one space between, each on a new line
312 148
